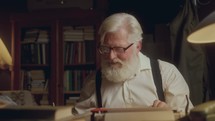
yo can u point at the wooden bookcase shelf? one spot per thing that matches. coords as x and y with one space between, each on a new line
56 55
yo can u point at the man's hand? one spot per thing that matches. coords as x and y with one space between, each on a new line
158 103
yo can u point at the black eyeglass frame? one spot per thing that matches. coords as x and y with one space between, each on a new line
108 49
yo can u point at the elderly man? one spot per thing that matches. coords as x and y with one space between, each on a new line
126 74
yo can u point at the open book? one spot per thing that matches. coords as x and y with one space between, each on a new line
44 113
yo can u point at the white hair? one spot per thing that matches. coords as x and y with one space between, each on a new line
121 20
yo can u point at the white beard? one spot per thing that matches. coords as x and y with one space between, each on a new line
124 72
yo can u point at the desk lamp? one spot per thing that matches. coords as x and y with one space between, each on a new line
5 58
204 32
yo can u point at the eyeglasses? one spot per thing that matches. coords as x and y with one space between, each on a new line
118 50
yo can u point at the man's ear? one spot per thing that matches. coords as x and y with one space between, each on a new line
139 45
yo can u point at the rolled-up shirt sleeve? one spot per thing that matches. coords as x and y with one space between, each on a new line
175 87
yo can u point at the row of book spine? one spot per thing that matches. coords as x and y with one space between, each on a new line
74 79
35 46
35 53
79 52
79 46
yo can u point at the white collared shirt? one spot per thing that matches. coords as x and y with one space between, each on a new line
139 91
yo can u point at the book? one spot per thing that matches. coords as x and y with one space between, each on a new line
135 114
47 113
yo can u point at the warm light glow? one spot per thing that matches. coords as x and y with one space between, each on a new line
205 31
5 57
203 35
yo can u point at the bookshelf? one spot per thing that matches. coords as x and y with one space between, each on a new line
53 52
79 58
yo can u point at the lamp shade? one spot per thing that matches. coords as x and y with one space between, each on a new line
5 57
205 31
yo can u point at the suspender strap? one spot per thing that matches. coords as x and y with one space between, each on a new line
98 88
157 78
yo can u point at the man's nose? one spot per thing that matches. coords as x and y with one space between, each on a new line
112 54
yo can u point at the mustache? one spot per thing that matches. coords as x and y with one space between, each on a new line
112 62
